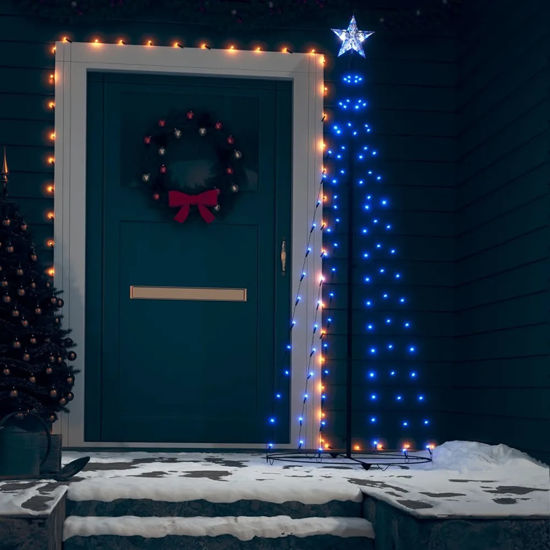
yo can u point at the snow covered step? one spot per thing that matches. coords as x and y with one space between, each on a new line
227 532
145 507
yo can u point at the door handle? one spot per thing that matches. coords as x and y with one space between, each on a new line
283 257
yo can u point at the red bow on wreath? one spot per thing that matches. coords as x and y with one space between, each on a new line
185 201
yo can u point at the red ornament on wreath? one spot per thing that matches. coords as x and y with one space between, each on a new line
166 143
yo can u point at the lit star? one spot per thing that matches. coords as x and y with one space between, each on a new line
352 38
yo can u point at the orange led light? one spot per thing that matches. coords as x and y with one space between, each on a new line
312 51
177 45
357 447
257 49
51 104
379 446
53 49
121 42
65 39
406 446
149 43
50 188
284 49
231 47
51 160
52 136
204 45
50 215
50 271
50 243
430 446
322 60
52 77
96 42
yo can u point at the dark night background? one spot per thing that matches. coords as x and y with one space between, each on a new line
460 106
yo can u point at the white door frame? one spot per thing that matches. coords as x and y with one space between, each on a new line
72 63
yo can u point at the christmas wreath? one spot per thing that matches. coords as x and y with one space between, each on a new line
164 147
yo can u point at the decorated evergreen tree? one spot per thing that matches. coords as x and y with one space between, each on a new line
35 376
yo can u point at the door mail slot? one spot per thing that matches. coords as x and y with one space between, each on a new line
187 293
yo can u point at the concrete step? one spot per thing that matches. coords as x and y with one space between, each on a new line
218 533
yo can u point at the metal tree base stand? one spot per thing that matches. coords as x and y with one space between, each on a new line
373 459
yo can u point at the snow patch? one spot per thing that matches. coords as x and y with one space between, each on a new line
241 527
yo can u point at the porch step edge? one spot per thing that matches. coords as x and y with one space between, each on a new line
244 528
250 507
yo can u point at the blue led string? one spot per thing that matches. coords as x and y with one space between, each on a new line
272 420
346 133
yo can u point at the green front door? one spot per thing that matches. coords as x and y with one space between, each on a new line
185 370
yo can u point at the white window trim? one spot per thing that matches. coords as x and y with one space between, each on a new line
72 63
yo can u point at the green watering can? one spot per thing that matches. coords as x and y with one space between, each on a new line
22 452
21 449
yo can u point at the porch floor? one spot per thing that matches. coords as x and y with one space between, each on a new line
465 480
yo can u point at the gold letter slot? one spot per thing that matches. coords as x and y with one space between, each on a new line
187 293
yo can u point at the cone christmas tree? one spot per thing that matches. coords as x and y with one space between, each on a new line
35 372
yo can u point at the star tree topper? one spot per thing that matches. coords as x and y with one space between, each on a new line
352 38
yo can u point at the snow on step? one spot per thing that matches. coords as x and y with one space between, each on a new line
242 527
306 489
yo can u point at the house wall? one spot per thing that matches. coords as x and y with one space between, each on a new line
414 85
501 380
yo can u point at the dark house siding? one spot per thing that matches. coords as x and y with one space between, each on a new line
501 381
462 129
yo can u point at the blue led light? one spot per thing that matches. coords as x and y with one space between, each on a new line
388 321
272 420
406 324
399 397
392 373
390 346
370 326
372 374
420 398
426 422
373 419
412 349
413 374
368 303
278 395
372 351
405 424
373 397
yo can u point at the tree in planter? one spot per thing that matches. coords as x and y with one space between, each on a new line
36 377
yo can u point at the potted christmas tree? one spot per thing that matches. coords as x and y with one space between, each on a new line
36 376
